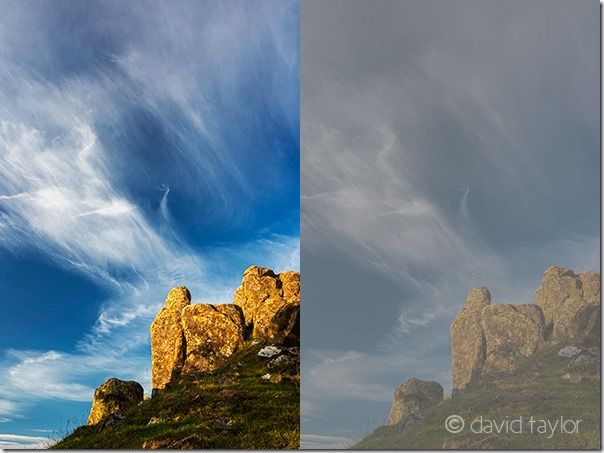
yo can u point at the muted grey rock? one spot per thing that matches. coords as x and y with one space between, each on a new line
468 345
412 397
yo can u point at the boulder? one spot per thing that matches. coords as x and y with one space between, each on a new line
167 339
512 333
278 322
570 303
270 304
212 334
258 285
468 345
114 397
414 396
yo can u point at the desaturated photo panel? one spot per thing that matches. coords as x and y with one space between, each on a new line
149 224
450 224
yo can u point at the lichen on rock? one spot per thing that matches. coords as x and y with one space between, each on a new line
570 303
114 396
512 333
212 334
167 339
270 303
468 344
189 338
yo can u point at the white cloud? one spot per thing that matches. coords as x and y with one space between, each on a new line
59 375
323 442
21 442
56 189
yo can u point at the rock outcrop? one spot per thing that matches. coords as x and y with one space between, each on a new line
270 302
512 333
491 344
212 334
570 303
114 397
412 398
188 338
468 344
168 340
490 338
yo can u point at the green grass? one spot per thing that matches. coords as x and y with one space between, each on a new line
535 389
230 408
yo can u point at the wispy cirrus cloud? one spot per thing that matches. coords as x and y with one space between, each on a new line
19 441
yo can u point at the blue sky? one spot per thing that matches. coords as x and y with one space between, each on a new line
143 145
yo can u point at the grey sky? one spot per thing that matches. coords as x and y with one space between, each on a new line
445 145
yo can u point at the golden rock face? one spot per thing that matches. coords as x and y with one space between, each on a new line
278 321
167 339
270 302
212 334
114 396
259 284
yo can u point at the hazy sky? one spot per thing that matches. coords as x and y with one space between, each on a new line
143 145
445 145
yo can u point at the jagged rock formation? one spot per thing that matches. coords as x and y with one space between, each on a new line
468 344
412 398
212 334
270 302
189 338
114 397
570 303
168 340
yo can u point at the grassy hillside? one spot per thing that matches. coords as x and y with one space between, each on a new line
233 407
536 389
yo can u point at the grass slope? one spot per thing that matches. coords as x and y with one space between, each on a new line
230 408
536 389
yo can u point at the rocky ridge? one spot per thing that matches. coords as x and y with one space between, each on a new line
490 341
190 341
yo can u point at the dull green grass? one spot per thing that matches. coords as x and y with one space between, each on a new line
536 389
230 408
